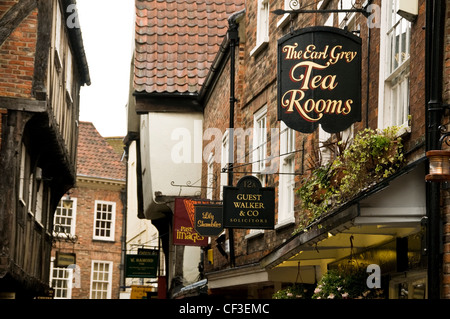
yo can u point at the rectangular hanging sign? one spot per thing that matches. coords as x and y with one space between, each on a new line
319 79
184 233
249 206
142 265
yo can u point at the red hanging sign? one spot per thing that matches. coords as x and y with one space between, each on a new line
184 233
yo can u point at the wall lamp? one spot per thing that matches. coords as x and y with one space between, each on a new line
439 162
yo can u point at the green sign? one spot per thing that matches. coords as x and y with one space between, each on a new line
142 265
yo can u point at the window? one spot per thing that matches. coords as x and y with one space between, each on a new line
69 75
101 276
104 220
286 187
262 26
64 220
260 143
58 29
210 177
394 68
40 202
224 163
23 166
61 282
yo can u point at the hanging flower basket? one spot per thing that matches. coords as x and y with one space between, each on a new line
349 283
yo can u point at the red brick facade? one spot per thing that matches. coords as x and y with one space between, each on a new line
256 86
17 57
88 249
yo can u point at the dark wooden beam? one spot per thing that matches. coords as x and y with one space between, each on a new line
11 19
20 104
45 18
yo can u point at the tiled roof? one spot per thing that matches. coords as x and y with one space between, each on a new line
96 157
177 41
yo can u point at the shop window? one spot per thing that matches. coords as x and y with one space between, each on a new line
262 26
101 276
104 220
394 67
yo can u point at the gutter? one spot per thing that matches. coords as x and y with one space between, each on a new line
76 39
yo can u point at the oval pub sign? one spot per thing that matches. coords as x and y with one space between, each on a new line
319 79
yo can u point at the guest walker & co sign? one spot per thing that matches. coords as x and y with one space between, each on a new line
249 206
319 79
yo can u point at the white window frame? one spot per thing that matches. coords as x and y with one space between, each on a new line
210 177
262 26
69 74
23 161
68 280
40 202
73 217
225 151
97 280
259 152
113 221
285 18
286 185
394 79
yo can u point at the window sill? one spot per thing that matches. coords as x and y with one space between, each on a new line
259 47
285 223
254 234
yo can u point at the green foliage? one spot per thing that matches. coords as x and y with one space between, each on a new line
372 156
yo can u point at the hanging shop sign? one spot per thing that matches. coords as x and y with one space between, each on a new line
64 260
319 79
249 205
184 233
142 265
208 219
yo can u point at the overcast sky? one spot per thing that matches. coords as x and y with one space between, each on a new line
107 28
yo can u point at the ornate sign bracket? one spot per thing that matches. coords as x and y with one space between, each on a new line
294 4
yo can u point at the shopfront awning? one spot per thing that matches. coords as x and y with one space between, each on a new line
391 209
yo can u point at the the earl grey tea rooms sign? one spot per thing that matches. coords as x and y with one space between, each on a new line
319 79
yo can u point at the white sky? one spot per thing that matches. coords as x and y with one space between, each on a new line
107 28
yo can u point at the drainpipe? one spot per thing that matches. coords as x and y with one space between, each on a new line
233 36
433 88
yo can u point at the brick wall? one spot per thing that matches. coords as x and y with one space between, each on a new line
17 57
257 86
88 249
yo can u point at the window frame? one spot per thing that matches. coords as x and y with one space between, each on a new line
260 140
286 185
262 26
108 282
69 280
73 217
111 237
394 104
